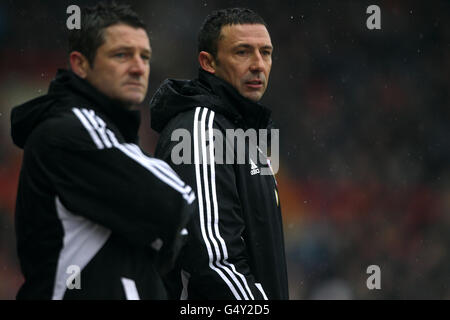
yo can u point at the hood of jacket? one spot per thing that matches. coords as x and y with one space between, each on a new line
66 91
176 96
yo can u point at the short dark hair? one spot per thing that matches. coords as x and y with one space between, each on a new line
209 34
94 21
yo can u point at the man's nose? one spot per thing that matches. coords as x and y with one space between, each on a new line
138 65
257 64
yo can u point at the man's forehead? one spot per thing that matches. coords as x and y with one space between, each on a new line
245 33
124 35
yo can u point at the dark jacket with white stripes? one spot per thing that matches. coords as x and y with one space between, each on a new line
236 245
95 217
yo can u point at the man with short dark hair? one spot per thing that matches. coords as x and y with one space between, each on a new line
96 218
236 246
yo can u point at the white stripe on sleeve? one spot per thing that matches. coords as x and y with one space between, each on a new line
88 127
260 288
218 255
216 210
129 286
97 128
200 205
99 125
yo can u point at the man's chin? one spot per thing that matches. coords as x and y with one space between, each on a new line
132 100
254 96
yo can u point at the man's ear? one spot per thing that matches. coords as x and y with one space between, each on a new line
207 62
79 64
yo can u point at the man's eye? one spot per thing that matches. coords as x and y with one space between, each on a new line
241 52
120 55
267 53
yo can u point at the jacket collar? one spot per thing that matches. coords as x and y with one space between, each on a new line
245 113
78 89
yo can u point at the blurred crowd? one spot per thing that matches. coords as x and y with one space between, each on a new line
364 137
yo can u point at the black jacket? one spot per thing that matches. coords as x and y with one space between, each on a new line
90 200
236 245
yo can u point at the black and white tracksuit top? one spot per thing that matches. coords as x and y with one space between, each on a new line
96 218
235 247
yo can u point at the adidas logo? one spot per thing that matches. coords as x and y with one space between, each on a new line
254 168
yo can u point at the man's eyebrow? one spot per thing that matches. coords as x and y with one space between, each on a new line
145 50
248 46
